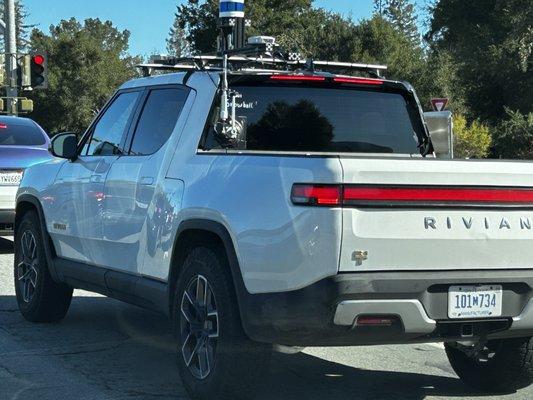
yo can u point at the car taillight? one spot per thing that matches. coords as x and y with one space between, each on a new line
316 195
397 196
354 195
296 78
359 81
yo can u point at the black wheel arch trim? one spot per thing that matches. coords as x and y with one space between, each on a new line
221 231
47 240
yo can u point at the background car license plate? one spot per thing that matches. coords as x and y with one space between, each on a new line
475 301
10 178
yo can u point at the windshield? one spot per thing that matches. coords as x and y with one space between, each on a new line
295 118
20 135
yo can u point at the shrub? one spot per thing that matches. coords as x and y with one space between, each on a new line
471 141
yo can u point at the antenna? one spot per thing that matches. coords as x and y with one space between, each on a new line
232 25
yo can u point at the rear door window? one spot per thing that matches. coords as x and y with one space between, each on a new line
324 119
158 120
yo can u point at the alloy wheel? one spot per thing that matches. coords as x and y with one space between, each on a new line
28 267
199 327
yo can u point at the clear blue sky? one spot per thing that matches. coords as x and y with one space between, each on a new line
148 21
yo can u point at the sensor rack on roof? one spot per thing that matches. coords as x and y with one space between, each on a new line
238 63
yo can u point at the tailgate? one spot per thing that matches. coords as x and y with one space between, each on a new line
439 235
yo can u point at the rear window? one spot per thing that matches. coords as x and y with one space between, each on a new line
290 118
20 135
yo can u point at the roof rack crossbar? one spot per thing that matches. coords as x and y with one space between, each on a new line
214 63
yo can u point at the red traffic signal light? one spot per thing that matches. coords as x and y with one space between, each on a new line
39 59
39 70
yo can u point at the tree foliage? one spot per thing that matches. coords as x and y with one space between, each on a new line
177 42
514 136
381 42
294 23
87 62
471 140
439 76
491 42
402 15
22 28
316 33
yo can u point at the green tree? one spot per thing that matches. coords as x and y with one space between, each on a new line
381 42
287 20
491 43
379 7
199 20
471 141
316 33
402 14
177 43
439 77
87 62
513 138
22 28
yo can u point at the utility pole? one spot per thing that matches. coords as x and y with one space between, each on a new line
11 56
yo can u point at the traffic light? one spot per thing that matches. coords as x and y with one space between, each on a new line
24 72
39 70
25 106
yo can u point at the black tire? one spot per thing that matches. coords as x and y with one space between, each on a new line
510 367
237 362
45 300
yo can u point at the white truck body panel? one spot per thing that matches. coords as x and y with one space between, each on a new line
439 239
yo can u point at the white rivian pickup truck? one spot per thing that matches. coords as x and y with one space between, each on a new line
282 208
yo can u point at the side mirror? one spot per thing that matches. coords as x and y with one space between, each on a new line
65 145
440 126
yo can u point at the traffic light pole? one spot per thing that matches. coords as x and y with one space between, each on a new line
11 56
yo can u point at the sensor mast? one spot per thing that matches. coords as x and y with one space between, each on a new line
232 25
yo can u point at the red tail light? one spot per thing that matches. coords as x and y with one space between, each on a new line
359 81
316 195
416 196
436 195
301 78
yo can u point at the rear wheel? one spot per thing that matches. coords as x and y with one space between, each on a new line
216 359
39 297
504 365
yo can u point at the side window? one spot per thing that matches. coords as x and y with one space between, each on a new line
110 129
158 120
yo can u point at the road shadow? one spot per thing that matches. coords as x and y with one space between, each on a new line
124 351
6 246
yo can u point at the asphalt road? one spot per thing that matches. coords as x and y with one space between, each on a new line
106 350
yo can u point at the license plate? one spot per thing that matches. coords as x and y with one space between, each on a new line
475 301
10 178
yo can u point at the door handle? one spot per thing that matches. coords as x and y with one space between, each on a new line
147 181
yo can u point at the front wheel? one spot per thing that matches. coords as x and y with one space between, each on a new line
216 359
39 297
504 365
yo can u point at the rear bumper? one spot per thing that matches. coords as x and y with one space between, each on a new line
324 313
